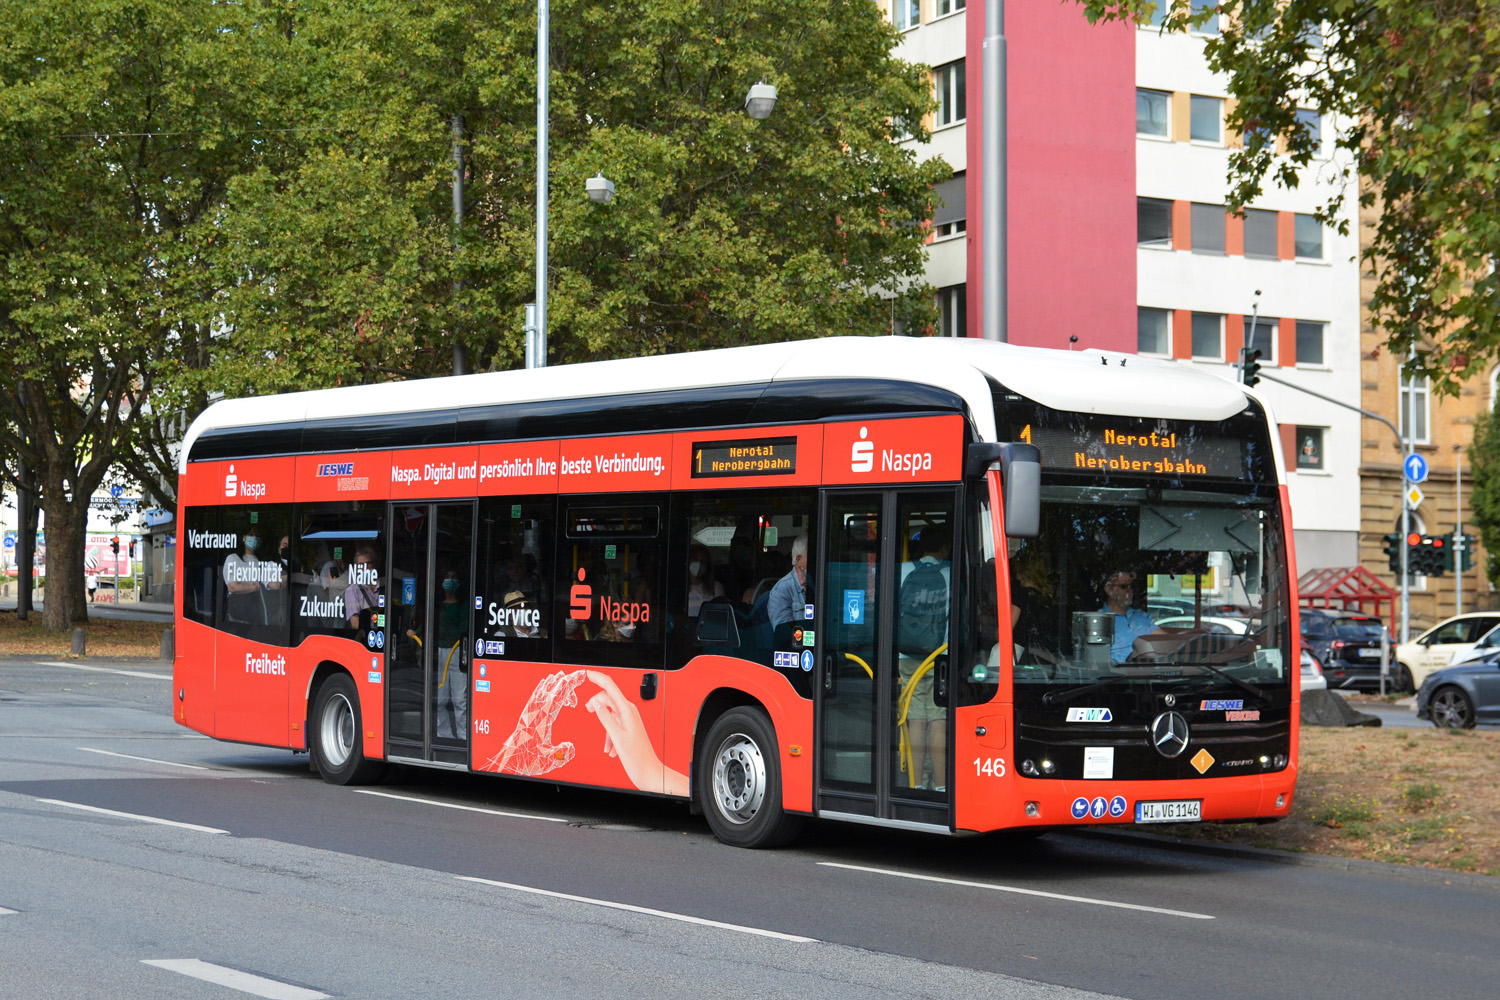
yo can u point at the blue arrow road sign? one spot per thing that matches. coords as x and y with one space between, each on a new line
1416 468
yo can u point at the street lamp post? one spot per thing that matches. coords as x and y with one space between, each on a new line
1458 531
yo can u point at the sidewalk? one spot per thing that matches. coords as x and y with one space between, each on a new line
128 611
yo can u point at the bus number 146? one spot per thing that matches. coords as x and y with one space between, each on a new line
993 767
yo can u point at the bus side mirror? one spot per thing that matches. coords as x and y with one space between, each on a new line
1021 486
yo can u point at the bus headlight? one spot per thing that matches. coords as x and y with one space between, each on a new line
1279 761
1047 766
1028 768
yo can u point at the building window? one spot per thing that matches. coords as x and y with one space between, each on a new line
1153 222
953 311
1211 25
1309 237
1151 111
1309 449
1205 118
1208 336
905 14
1313 123
948 207
948 88
1208 228
1414 407
1262 337
946 7
1260 233
1309 343
1153 331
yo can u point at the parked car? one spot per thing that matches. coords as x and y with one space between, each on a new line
1312 674
1347 645
1487 644
1435 648
1458 697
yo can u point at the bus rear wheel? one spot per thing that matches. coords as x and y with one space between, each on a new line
739 782
335 736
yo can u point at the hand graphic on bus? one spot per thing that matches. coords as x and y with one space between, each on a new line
625 737
529 750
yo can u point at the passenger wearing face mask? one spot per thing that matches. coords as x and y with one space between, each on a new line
247 578
701 583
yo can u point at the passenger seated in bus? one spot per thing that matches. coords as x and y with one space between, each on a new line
921 632
360 594
1130 621
247 578
701 583
522 620
788 600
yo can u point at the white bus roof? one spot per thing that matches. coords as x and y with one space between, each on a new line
1084 381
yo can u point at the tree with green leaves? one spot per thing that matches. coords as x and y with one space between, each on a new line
1484 498
1415 86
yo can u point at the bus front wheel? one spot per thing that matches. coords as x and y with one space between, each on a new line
739 782
336 733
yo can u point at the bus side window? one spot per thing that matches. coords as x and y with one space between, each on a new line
326 546
254 579
608 609
515 559
730 553
202 557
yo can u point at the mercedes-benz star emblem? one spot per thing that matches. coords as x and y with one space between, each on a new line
1169 734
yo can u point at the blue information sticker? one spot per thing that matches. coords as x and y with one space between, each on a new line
854 607
807 661
409 590
1097 807
1117 806
1080 808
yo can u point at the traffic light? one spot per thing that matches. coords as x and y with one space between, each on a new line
1250 366
1429 555
114 543
1465 557
1392 550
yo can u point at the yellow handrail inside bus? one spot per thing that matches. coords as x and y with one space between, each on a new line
851 656
446 662
903 702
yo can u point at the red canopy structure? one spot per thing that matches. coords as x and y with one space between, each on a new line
1352 588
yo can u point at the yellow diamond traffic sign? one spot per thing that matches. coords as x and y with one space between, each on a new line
1202 760
1414 496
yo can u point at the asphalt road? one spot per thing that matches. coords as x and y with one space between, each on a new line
233 864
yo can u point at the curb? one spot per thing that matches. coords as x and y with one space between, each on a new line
1436 876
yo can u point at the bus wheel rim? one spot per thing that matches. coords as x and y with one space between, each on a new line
337 743
739 779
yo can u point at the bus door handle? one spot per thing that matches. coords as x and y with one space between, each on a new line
940 681
648 687
828 684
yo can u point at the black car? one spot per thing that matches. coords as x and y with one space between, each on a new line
1347 644
1458 697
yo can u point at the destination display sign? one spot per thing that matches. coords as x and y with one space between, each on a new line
1166 450
761 457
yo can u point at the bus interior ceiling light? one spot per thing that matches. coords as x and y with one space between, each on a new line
601 189
760 100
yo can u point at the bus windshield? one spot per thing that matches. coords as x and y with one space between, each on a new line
1151 582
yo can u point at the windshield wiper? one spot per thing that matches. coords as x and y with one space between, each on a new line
1053 697
1238 682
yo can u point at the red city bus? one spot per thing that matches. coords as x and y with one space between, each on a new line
909 583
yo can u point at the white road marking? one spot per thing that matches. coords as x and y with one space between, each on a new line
235 979
4 912
455 805
1023 892
149 760
761 932
134 816
107 670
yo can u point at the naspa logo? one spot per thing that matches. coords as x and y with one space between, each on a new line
235 487
862 455
335 469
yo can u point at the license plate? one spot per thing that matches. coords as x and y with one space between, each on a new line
1181 811
1367 654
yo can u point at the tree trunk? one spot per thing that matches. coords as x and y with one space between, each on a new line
67 528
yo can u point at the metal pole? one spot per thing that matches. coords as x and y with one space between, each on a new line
1406 506
531 335
1458 531
25 539
543 61
994 292
460 356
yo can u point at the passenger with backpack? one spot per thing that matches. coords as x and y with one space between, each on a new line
921 629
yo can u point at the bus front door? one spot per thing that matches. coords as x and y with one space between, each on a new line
428 632
886 599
